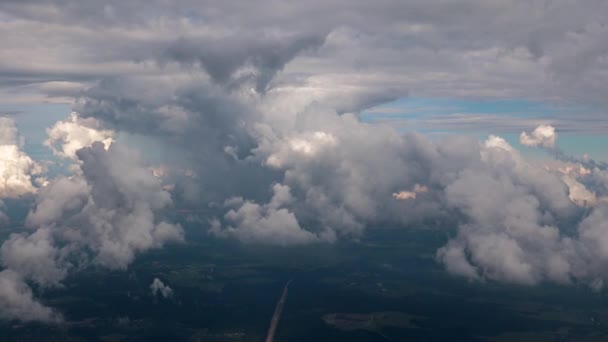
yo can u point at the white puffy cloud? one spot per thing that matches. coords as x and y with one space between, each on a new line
16 167
159 288
306 145
68 136
410 194
270 223
543 135
578 193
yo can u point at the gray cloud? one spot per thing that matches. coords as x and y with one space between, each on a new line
249 98
17 301
270 223
3 217
104 214
159 288
223 58
520 226
468 49
35 257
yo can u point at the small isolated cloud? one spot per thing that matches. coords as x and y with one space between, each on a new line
543 136
407 195
159 288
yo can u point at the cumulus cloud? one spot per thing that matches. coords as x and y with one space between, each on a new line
331 163
115 202
334 176
543 135
70 135
513 233
159 288
17 169
17 301
579 194
104 215
34 256
260 100
512 209
303 146
270 223
580 174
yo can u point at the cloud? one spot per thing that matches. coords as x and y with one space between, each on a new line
68 136
34 256
332 177
118 208
579 194
543 135
407 195
517 225
512 209
270 223
304 146
331 164
3 217
255 99
103 215
159 288
17 302
580 174
356 47
16 168
223 58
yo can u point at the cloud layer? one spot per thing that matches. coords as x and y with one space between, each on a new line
258 105
467 49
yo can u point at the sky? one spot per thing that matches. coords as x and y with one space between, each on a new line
301 123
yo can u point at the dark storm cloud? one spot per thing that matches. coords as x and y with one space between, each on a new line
223 58
531 49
